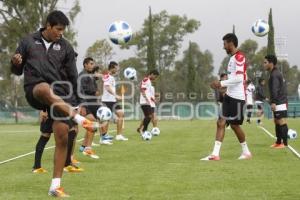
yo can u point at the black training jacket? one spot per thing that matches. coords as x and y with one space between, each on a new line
277 87
88 85
40 65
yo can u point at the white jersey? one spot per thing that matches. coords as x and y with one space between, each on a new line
236 77
249 93
147 87
108 80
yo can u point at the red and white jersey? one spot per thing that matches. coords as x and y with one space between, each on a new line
236 77
108 80
146 86
249 94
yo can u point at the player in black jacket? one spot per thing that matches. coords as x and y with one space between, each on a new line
278 101
47 59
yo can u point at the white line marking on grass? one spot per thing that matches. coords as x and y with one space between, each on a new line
272 136
32 152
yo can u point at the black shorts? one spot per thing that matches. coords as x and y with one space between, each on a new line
147 110
113 106
249 107
46 126
233 110
280 114
260 106
33 102
92 109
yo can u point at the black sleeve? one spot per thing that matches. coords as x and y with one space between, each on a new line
21 49
71 69
275 88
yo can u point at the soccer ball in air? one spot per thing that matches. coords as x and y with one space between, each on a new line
104 114
120 32
155 131
130 73
292 134
147 135
260 28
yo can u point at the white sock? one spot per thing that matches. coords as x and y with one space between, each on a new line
55 183
245 148
217 147
78 119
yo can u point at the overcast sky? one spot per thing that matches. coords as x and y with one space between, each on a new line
216 17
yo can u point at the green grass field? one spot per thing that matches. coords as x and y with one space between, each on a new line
167 167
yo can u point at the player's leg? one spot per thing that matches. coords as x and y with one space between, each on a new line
249 113
39 149
281 129
147 116
105 138
61 130
42 92
69 167
46 130
120 116
88 140
260 113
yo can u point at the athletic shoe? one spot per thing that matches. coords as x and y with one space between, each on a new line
107 137
245 156
58 192
106 142
120 137
73 169
39 171
89 125
248 121
90 153
211 157
277 146
74 161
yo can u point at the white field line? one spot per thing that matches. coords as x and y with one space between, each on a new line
32 152
272 136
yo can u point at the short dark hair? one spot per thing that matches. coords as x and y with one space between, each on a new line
57 17
231 37
271 59
112 65
261 80
223 75
154 72
249 81
87 60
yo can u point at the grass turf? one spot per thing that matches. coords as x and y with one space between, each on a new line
167 167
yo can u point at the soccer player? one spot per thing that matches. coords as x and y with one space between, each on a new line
88 88
147 100
234 99
47 59
46 131
249 96
109 99
278 101
259 100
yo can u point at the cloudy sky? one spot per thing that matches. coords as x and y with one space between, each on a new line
216 17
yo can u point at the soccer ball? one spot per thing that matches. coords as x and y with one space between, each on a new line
260 28
104 114
147 135
155 131
292 134
120 32
130 73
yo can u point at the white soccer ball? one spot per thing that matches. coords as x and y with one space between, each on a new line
155 131
292 134
260 28
147 135
120 32
130 73
104 114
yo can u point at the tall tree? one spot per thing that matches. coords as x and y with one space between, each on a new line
151 62
101 51
271 44
190 86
